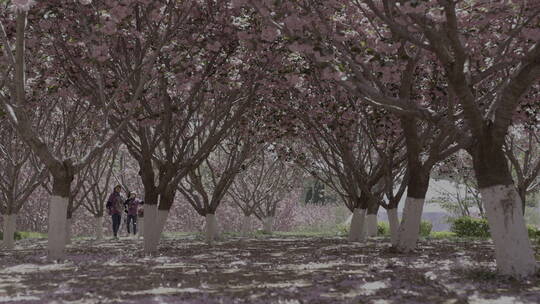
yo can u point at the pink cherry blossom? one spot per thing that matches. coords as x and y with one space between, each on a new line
270 34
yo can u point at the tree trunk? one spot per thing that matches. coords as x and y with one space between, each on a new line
371 221
393 221
69 232
268 224
58 206
417 187
151 238
57 226
371 225
245 227
10 226
162 216
409 229
155 220
98 226
356 230
513 251
210 228
140 226
503 206
523 196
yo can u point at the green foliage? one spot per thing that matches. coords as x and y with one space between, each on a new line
263 232
466 226
343 229
533 232
442 235
17 235
473 227
532 216
317 193
425 228
383 229
32 235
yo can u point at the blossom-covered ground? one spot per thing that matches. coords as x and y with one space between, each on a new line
273 269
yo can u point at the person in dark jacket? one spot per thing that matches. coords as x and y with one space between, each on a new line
114 205
131 206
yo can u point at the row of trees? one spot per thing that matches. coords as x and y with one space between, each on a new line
455 74
366 96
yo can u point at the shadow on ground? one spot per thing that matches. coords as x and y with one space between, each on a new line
262 270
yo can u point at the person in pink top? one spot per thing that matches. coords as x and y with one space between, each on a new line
131 206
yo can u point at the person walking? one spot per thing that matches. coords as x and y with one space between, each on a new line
131 206
114 205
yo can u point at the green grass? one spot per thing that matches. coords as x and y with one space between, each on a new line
308 233
19 235
437 235
442 235
177 234
256 234
451 236
32 235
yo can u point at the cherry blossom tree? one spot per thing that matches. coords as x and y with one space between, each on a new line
460 201
379 71
98 185
387 139
154 59
339 153
76 198
522 148
267 210
21 94
483 60
19 178
33 214
491 58
205 186
258 189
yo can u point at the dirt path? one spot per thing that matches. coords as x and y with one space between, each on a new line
267 270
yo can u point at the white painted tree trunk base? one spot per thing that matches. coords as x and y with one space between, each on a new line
371 225
393 222
10 226
157 229
268 224
210 228
356 230
162 216
140 227
409 229
245 227
150 235
57 227
513 252
98 228
69 232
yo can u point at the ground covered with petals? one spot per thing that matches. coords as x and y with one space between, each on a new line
270 269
